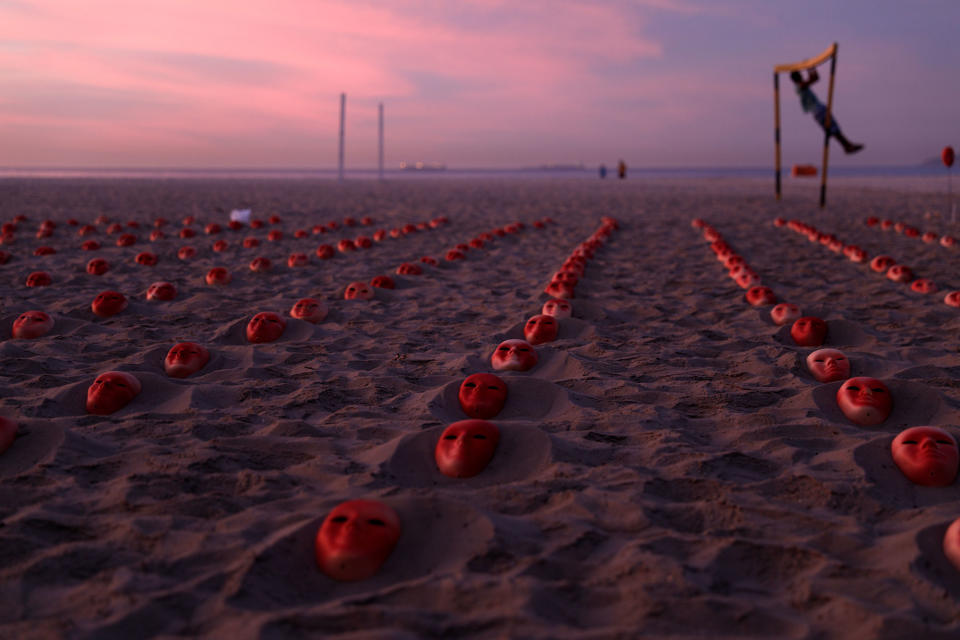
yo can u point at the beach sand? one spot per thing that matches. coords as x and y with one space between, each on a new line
669 468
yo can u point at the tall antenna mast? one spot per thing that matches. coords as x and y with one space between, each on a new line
343 108
381 141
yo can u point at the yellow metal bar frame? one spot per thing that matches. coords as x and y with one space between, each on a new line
809 63
829 54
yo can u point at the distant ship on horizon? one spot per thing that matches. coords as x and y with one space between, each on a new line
422 166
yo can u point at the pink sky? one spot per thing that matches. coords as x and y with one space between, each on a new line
477 83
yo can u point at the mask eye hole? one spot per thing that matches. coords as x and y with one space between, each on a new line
480 436
910 442
450 437
377 522
340 519
470 385
853 387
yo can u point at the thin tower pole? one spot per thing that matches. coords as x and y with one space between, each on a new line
343 109
776 128
950 204
381 141
826 126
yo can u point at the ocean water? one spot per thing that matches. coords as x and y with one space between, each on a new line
911 171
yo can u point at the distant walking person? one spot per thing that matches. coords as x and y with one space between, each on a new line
812 104
622 169
603 171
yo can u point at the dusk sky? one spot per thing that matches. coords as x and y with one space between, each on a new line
470 83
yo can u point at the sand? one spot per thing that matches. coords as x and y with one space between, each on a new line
669 468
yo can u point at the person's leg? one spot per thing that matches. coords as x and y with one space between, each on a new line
821 115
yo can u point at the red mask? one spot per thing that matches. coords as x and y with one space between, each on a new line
250 243
346 245
260 265
156 234
382 282
358 291
8 432
923 285
951 543
514 355
429 260
454 254
409 269
828 365
184 359
310 310
161 291
482 395
266 326
558 308
146 258
31 324
275 236
218 276
39 279
541 328
356 538
98 267
185 253
881 263
900 273
865 401
212 229
90 245
220 246
559 290
952 299
785 313
746 280
466 448
111 391
108 303
126 240
809 331
324 252
926 455
760 296
298 260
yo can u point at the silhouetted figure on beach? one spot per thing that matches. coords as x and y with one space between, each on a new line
811 104
603 171
622 169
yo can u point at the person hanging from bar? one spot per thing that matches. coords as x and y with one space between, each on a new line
812 104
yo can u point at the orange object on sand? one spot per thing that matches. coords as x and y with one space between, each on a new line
803 171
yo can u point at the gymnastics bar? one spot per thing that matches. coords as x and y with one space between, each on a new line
830 53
